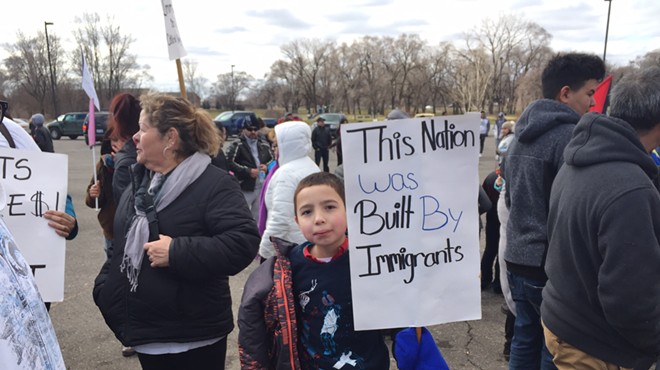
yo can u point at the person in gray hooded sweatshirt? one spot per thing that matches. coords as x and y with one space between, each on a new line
533 160
601 304
41 134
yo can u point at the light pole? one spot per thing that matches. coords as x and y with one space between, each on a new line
232 99
50 67
607 28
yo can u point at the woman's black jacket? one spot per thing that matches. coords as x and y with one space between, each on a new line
214 236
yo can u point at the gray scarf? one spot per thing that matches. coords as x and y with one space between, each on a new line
138 234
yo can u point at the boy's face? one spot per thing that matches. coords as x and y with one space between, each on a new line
321 216
582 99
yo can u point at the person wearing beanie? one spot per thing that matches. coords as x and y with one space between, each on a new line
42 134
397 114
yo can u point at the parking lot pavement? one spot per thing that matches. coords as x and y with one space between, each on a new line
87 343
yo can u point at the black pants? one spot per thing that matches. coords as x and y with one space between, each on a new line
322 153
482 139
205 358
490 252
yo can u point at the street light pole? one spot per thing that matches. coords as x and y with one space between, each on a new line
607 28
233 100
50 67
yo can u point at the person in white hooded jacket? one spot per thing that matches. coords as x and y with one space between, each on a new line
294 141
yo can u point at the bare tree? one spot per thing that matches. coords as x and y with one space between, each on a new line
194 83
305 59
349 73
27 67
230 86
513 45
369 54
106 49
473 72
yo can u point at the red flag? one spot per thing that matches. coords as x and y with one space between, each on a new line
602 91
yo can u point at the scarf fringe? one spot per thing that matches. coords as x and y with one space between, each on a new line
132 273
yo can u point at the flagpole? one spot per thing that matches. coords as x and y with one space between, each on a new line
91 139
182 85
96 200
88 87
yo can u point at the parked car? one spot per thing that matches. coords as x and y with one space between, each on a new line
233 120
332 120
67 124
23 123
100 123
269 122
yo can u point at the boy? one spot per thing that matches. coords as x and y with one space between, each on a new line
313 277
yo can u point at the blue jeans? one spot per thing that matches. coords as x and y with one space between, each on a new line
528 351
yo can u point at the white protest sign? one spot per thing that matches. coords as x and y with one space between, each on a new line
413 222
33 183
174 43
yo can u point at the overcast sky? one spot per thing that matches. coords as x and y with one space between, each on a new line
249 33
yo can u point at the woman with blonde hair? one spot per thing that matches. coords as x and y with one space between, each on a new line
181 228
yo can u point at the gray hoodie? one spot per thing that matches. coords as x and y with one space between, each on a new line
603 261
533 160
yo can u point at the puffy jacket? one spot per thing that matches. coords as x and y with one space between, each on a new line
213 236
294 144
267 331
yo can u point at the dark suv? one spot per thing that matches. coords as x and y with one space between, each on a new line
67 124
232 120
100 123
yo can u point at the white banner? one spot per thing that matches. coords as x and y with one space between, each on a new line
413 222
174 43
33 183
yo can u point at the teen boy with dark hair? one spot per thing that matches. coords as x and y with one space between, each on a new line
533 160
313 278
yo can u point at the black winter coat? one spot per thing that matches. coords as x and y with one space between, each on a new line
43 139
240 161
124 159
213 236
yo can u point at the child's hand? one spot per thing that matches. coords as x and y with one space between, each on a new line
95 190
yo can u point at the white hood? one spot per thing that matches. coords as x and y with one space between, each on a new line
294 141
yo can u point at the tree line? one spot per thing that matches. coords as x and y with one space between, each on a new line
495 66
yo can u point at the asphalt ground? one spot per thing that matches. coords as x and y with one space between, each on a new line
87 343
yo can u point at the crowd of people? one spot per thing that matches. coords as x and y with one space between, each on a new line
572 236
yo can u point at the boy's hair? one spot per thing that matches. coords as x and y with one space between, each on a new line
572 70
319 178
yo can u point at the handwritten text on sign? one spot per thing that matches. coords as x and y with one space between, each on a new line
411 192
33 183
174 44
